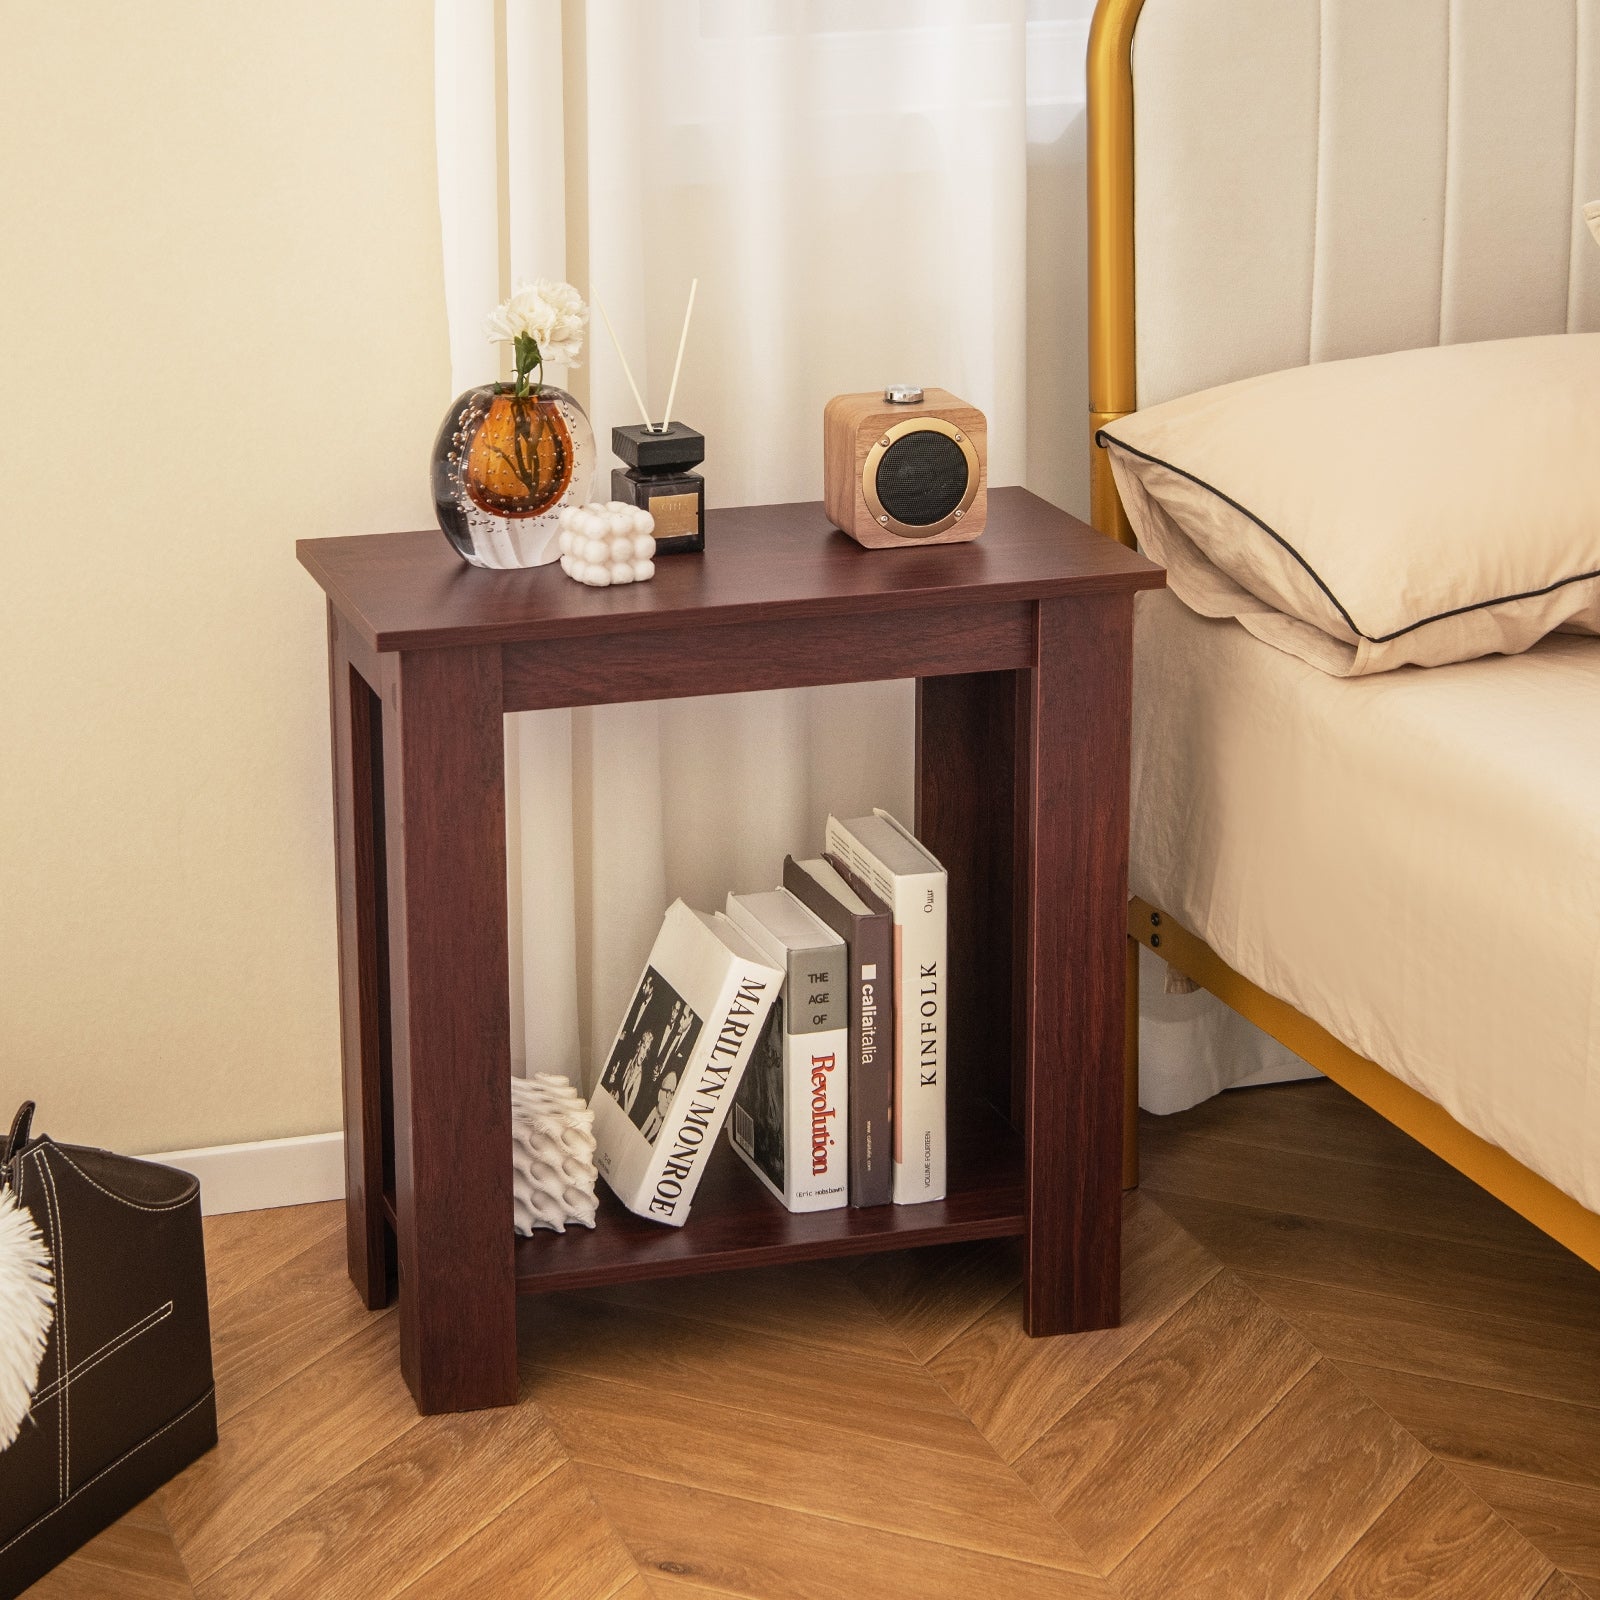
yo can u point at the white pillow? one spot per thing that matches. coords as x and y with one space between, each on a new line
1421 507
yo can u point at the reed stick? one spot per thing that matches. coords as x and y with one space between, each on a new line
627 371
677 366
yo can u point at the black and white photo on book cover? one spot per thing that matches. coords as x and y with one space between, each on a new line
651 1053
758 1108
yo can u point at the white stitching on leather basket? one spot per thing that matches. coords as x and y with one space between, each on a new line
145 1323
61 1324
122 1200
125 1456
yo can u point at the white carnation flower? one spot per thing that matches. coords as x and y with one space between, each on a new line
551 314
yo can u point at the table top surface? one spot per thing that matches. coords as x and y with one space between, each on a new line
410 591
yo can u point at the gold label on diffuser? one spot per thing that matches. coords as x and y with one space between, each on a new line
675 514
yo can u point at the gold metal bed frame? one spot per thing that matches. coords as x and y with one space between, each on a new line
1112 394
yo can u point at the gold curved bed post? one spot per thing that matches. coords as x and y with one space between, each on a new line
1112 386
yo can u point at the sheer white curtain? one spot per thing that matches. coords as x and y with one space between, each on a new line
868 191
849 181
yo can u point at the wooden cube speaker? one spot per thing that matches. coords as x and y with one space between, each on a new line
905 467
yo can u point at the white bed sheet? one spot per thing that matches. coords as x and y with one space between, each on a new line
1191 1046
1412 859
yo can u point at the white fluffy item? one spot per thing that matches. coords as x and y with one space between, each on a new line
27 1308
552 1155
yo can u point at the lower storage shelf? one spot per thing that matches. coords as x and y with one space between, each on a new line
736 1223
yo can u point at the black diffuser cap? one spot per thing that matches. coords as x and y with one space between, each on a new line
676 446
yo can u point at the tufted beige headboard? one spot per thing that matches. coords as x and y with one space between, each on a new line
1274 182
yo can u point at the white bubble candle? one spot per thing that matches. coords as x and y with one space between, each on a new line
607 542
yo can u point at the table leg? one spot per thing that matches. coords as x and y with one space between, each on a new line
363 965
444 779
1072 837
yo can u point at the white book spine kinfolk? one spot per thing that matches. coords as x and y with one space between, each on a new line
917 901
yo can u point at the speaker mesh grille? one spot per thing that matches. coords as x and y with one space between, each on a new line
921 478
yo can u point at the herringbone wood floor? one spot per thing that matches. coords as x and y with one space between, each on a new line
1343 1372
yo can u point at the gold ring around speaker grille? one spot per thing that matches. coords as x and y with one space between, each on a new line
869 477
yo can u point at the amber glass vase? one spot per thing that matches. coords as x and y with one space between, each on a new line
503 466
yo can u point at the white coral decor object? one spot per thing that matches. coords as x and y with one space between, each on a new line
607 542
27 1301
552 1155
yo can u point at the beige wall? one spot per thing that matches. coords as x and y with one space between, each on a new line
221 328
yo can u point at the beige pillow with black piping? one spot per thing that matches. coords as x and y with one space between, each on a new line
1422 507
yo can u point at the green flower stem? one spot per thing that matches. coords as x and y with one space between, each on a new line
529 360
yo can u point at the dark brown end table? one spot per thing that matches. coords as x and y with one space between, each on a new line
1020 644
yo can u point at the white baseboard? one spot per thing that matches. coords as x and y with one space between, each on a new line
264 1173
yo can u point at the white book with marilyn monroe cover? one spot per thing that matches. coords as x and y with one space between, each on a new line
791 1114
684 1043
905 876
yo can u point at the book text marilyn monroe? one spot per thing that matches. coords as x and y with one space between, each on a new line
778 1012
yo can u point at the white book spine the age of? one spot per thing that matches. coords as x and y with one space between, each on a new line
675 1066
791 1114
896 867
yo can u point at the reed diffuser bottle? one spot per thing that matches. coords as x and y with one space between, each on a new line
657 458
657 479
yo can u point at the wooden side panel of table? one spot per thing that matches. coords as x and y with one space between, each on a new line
1073 878
1023 794
363 961
444 807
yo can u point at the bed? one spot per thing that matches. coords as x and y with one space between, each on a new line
1396 877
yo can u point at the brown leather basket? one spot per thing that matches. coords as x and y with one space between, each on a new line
124 1399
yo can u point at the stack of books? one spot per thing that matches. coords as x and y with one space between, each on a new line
813 1015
